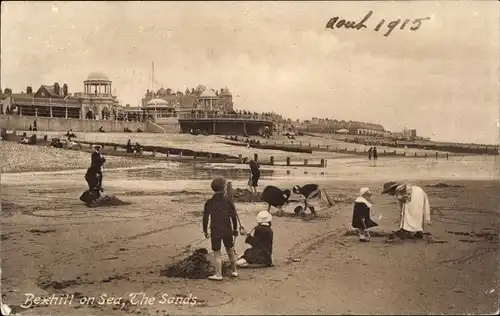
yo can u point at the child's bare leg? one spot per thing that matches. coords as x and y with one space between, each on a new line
218 263
232 258
362 236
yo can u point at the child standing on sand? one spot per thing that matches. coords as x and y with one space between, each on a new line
220 211
361 214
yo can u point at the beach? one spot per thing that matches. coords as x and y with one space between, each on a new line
52 244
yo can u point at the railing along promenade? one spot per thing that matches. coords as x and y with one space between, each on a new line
205 116
44 101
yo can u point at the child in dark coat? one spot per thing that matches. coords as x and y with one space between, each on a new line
260 254
220 212
276 197
361 214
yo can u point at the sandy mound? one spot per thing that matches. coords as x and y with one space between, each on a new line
245 196
196 266
109 200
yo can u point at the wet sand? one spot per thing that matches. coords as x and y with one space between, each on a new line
51 243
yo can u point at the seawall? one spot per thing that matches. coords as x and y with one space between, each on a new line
16 122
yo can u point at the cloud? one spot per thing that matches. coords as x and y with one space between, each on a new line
274 56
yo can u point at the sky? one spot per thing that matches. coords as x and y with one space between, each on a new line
442 79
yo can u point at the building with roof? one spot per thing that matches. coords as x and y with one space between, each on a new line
201 98
98 101
47 101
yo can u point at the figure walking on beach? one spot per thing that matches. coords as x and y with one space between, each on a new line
253 182
361 214
96 163
414 207
370 153
221 212
375 156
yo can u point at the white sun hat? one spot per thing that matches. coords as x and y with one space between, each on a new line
363 191
264 217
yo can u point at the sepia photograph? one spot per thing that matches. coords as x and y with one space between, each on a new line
249 158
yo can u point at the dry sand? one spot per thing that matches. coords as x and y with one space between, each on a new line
52 244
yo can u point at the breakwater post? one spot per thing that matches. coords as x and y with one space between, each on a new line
288 161
323 163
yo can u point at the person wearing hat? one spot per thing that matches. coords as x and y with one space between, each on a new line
94 191
361 214
260 254
96 163
314 196
414 206
253 181
221 212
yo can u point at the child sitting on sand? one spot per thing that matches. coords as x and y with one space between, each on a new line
260 254
361 214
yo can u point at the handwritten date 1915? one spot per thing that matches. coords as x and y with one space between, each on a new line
336 22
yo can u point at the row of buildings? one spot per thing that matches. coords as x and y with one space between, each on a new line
356 128
97 101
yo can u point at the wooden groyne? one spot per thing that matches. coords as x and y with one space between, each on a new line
295 146
162 153
268 146
454 148
168 151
